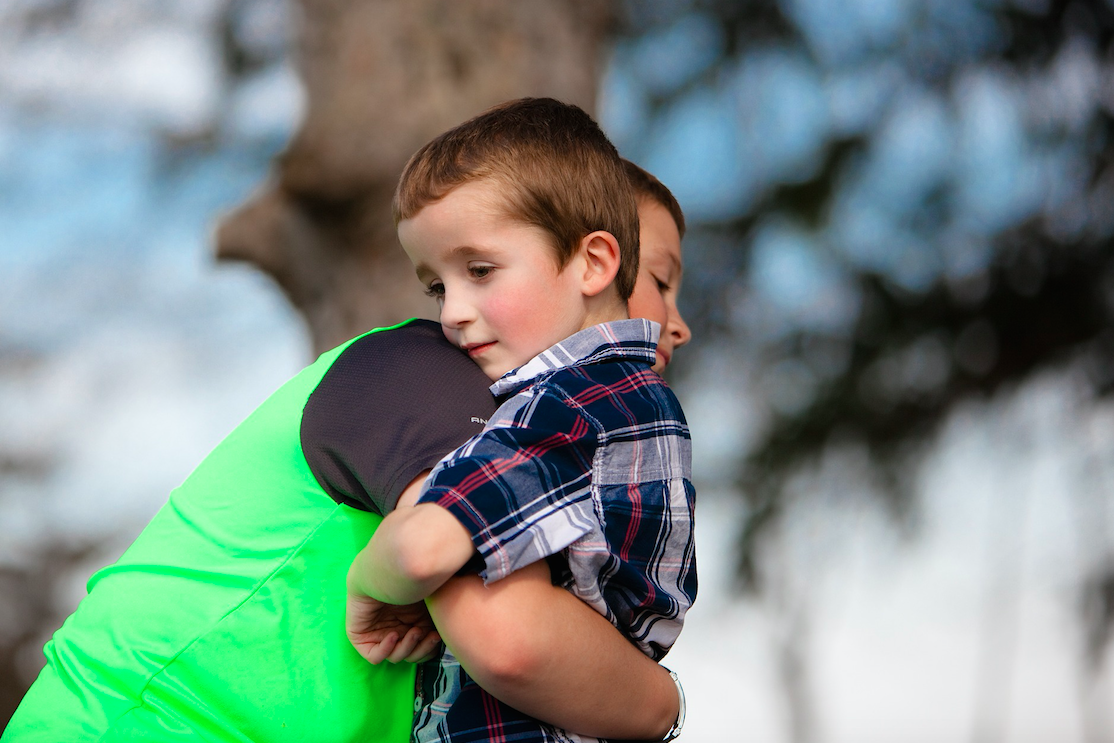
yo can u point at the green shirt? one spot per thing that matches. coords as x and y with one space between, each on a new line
224 621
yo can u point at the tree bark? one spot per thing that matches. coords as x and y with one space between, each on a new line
382 77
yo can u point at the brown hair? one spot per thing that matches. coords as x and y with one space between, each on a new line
556 170
646 186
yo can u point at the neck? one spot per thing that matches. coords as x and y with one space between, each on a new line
605 309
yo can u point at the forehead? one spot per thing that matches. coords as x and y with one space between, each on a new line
458 209
472 220
659 238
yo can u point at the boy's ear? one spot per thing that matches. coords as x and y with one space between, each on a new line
599 255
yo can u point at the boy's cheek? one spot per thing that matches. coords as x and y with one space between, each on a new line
518 311
648 304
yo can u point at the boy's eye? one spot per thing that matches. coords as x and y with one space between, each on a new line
481 272
435 290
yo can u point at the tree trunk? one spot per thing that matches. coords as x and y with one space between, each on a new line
383 77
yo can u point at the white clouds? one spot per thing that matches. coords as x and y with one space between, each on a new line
127 70
151 65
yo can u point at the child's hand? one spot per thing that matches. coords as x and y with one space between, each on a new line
385 632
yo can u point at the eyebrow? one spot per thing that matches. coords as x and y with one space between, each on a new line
675 265
461 251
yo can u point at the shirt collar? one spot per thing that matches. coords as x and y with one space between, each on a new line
633 340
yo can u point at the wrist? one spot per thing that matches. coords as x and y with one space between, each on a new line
664 703
353 580
679 695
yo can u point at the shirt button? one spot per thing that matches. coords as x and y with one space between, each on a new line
417 704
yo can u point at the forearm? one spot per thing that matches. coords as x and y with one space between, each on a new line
412 553
541 650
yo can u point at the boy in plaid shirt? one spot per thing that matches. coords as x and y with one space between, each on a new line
524 226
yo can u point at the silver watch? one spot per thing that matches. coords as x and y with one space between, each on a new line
680 721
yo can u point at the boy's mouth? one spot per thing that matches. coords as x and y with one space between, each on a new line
475 349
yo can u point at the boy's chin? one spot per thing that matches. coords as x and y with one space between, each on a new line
494 371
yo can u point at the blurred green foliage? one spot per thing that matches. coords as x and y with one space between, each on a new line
907 204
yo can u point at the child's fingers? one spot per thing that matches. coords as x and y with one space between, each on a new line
425 649
406 645
376 653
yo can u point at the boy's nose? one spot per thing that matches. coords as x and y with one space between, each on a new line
678 329
455 312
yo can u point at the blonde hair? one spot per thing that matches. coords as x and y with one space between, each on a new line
554 166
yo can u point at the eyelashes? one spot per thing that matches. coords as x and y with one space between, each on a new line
436 288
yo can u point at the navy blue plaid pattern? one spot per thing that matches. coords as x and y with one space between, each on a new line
589 460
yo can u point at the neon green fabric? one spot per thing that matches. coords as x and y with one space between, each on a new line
224 621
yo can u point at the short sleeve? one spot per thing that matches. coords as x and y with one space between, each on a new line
391 406
523 487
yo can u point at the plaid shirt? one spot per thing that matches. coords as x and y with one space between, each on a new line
590 462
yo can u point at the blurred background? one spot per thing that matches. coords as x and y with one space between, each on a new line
898 273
